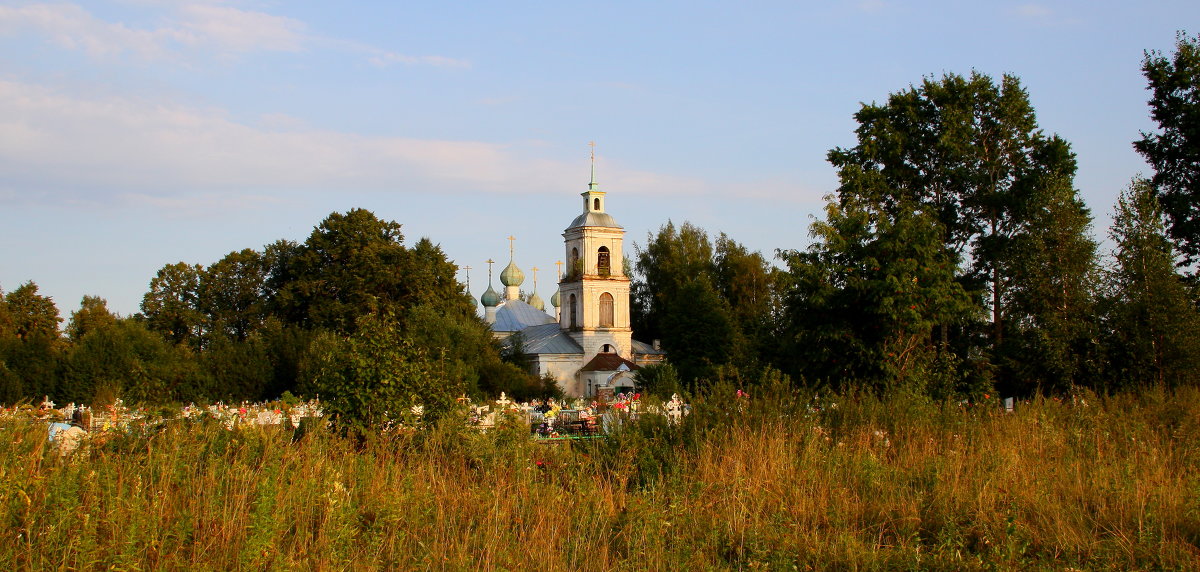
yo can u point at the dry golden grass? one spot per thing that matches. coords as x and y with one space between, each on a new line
769 484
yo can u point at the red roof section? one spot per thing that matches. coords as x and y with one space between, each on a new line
608 362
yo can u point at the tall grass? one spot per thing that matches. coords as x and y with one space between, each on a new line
766 482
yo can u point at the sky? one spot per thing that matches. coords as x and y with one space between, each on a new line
140 133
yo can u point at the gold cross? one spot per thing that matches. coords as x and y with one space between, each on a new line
559 264
535 269
511 239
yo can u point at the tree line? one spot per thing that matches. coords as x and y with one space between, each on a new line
351 307
955 259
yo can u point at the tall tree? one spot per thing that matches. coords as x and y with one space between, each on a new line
31 313
91 316
230 294
966 152
1174 151
869 292
728 296
671 259
1154 328
171 305
29 358
1053 273
347 268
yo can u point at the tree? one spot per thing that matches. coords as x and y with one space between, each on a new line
31 313
129 361
1051 307
671 259
966 152
378 374
728 292
230 294
91 316
869 292
349 267
171 305
700 332
1174 151
1153 327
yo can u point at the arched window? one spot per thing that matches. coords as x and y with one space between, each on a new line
606 310
596 203
603 262
607 349
575 269
574 313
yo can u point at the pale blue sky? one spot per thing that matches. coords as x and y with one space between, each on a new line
139 133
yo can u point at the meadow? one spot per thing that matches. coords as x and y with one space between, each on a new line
781 480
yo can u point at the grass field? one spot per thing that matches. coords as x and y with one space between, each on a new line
780 481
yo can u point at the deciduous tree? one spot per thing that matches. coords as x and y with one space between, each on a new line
1153 327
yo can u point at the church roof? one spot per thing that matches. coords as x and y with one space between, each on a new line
644 348
516 315
594 219
609 362
549 339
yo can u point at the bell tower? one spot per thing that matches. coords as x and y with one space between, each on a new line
594 292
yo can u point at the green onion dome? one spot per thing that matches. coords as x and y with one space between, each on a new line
536 302
512 276
490 298
556 299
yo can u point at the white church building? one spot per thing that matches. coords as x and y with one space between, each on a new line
587 346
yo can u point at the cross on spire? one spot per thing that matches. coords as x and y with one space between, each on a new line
467 271
490 262
511 248
535 270
592 183
559 264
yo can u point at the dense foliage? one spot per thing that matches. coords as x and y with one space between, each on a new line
352 315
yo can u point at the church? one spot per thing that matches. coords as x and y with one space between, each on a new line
588 345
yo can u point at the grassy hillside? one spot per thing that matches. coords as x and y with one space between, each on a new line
777 481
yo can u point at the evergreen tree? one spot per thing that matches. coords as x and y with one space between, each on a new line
1174 151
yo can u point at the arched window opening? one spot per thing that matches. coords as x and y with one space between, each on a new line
603 262
595 204
606 310
608 349
574 267
574 313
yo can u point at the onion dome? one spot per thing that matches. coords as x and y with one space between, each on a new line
536 302
490 298
511 275
556 299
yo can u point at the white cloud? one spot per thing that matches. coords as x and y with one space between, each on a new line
56 147
72 27
202 27
231 29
